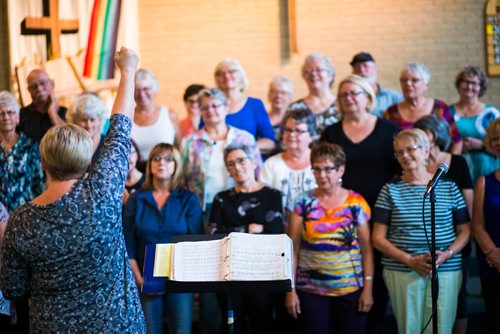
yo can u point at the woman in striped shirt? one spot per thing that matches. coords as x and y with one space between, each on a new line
399 233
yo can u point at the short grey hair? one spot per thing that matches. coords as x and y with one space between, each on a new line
326 61
245 83
248 150
420 69
148 76
8 100
214 93
90 106
302 116
284 81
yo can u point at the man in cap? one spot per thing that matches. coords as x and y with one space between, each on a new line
364 65
44 112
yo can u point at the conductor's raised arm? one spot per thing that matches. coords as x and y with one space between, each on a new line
126 60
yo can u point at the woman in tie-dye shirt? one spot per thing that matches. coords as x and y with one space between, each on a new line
333 254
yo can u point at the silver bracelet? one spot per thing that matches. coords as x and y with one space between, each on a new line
368 278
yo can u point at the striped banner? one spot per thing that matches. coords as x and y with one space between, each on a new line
101 47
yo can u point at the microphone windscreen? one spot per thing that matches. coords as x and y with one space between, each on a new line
444 167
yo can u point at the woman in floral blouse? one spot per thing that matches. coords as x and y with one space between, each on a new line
21 176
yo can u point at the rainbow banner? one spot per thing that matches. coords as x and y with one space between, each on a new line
101 47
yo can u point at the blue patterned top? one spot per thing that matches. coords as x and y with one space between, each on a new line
21 175
69 256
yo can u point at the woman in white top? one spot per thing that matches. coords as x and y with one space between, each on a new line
290 171
152 123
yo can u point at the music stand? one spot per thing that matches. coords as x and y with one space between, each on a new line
152 284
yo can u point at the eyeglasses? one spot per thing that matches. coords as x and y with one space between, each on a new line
237 161
8 113
315 70
34 85
412 81
158 158
327 169
470 83
223 73
280 92
206 107
345 95
409 150
291 131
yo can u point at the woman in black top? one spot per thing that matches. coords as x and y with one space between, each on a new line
249 207
370 163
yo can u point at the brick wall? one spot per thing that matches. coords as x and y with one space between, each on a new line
183 40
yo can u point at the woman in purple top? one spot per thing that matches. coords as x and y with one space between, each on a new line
486 230
246 113
414 80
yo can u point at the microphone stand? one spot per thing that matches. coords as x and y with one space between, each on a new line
434 277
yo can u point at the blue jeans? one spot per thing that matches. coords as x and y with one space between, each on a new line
176 307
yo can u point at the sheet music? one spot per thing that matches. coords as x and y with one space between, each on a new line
201 261
163 260
259 257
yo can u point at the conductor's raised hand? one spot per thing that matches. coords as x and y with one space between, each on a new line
125 59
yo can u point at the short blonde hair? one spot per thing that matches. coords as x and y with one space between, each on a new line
66 152
245 83
177 179
364 85
492 131
417 136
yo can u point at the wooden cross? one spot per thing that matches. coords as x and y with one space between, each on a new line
51 26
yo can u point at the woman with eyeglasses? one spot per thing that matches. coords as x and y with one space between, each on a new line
400 234
332 250
319 74
206 174
472 118
367 142
155 214
244 112
21 175
414 80
248 207
290 171
436 130
152 123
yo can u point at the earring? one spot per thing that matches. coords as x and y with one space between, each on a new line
340 180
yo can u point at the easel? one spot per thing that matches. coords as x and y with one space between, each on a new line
153 284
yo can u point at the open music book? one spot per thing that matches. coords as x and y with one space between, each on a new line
237 257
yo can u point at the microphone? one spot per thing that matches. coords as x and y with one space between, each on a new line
442 169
